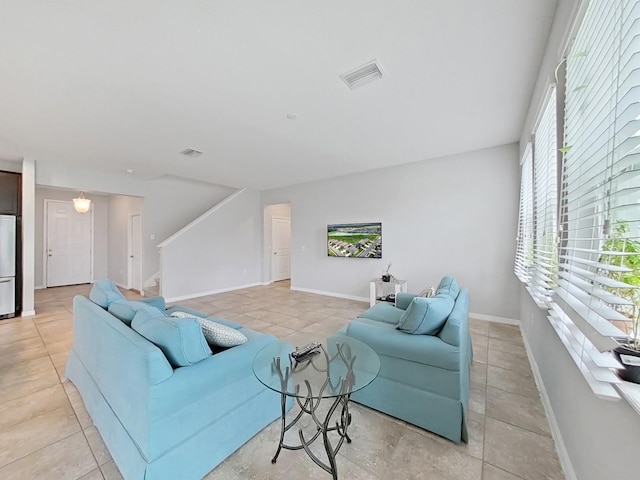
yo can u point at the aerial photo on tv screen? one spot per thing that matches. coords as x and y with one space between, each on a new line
361 240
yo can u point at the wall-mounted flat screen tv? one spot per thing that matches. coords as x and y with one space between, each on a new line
359 240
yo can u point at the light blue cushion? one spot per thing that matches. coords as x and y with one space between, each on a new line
103 292
448 286
383 312
180 339
425 316
125 310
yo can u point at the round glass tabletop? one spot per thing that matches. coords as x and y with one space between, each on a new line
342 366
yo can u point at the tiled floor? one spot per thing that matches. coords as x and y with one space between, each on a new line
45 432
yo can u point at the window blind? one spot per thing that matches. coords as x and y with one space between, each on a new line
596 294
524 240
545 197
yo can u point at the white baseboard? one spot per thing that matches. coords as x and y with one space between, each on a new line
39 287
492 318
28 313
561 449
212 292
118 284
331 294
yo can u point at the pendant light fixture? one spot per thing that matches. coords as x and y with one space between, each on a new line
81 204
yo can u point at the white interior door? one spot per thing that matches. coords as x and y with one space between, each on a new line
68 244
281 248
135 251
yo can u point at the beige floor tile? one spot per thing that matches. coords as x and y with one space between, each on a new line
489 472
521 452
78 405
21 351
505 332
223 472
67 459
32 405
17 329
477 398
26 437
523 411
110 471
510 361
278 331
479 373
93 475
511 381
97 445
511 346
253 460
418 456
373 438
60 363
478 327
26 377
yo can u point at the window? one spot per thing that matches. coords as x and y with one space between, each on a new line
524 245
600 196
545 204
579 250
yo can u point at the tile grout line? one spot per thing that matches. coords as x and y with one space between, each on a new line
75 414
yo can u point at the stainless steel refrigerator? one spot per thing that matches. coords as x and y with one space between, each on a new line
7 265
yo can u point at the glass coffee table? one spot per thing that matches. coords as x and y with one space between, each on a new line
343 365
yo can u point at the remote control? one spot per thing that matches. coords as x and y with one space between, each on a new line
300 351
306 356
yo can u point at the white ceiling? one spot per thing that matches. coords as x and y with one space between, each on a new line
113 85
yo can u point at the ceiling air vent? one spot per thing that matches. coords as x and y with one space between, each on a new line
364 74
191 152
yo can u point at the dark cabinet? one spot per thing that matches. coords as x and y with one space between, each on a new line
10 193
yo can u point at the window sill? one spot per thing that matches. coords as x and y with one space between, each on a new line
541 304
631 393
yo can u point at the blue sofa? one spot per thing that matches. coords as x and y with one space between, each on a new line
160 422
424 378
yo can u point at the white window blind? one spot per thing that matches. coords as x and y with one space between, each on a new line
524 240
545 196
600 197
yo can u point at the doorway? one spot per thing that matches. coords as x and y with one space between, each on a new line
281 248
277 242
134 247
68 255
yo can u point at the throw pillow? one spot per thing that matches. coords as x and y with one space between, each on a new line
448 286
125 310
428 292
103 292
221 335
180 339
184 315
426 316
217 335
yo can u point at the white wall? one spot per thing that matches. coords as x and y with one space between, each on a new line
28 236
455 215
100 207
170 202
120 206
221 251
9 166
